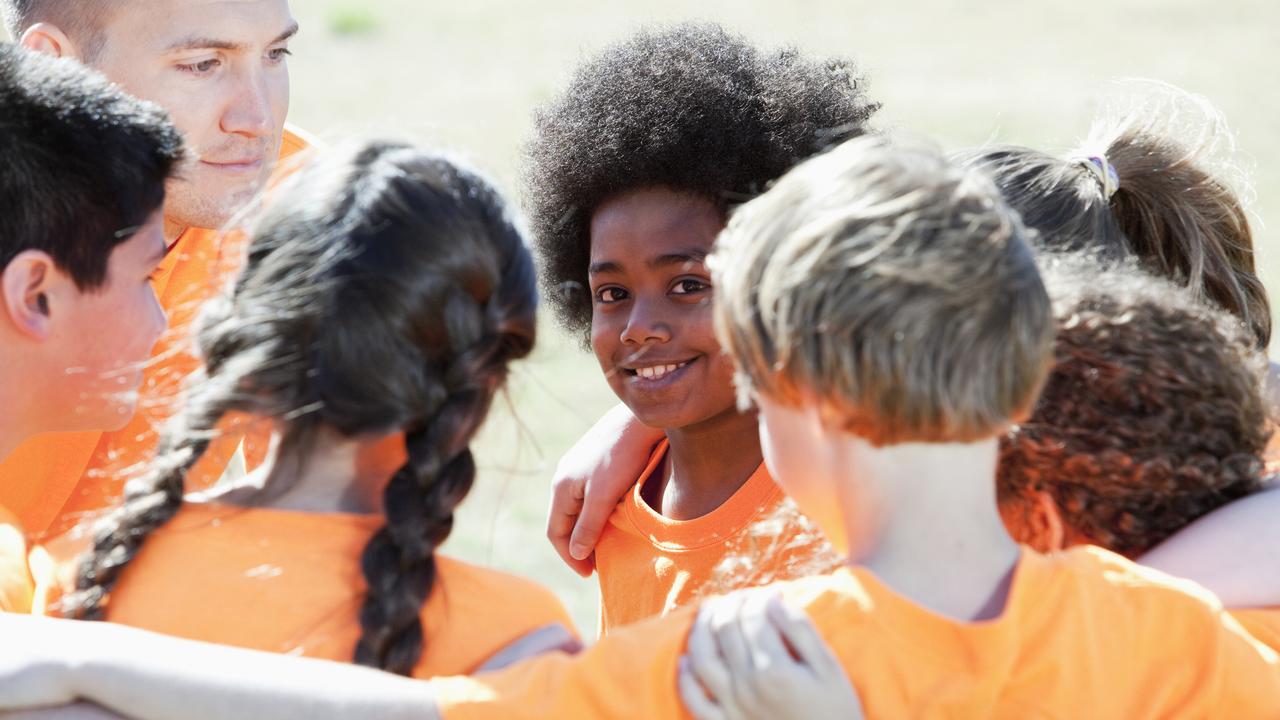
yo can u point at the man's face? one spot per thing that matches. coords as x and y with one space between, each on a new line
220 68
103 368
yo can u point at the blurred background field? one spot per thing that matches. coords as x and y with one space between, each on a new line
467 77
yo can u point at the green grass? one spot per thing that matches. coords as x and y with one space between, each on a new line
466 76
353 20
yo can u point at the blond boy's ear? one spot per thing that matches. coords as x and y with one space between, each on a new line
27 284
49 39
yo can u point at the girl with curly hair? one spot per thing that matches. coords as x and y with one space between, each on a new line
386 291
629 176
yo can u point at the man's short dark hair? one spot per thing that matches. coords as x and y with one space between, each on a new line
84 164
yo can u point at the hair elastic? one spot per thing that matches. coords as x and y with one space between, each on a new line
1104 172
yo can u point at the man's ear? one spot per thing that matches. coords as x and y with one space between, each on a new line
49 39
26 283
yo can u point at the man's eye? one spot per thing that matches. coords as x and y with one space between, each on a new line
202 67
279 54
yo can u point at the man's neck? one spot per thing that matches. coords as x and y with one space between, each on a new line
927 524
706 465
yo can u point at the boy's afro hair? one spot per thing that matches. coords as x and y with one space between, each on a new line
692 108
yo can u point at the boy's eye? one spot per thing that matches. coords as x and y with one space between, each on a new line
610 295
279 54
689 286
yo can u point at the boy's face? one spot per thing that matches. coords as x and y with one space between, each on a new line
101 339
651 320
219 68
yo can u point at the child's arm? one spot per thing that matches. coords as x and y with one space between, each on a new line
146 676
590 479
1233 551
751 656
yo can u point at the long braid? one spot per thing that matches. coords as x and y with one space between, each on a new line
420 500
149 503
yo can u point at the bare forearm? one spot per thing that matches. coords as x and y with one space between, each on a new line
153 677
1234 551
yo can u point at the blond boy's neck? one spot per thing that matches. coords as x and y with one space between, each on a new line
924 519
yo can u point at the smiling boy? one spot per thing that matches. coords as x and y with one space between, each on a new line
630 175
219 67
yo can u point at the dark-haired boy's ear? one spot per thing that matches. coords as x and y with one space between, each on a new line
49 39
26 283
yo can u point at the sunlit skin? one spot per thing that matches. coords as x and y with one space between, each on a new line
219 67
653 334
922 516
61 372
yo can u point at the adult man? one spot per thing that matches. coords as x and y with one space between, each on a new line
219 67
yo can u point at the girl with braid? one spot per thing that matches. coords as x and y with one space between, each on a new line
386 291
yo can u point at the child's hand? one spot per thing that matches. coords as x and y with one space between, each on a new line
751 656
590 480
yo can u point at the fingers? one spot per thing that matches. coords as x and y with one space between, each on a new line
566 505
803 638
763 637
704 660
596 507
695 698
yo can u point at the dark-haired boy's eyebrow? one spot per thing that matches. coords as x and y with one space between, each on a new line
693 256
603 267
202 42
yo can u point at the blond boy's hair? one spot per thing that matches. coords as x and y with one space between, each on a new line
891 288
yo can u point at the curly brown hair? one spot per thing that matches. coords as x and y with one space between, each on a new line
1152 416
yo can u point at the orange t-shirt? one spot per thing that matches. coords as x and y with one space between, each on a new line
649 564
1085 633
53 481
1262 623
290 582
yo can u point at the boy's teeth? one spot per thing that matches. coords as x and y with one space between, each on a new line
653 373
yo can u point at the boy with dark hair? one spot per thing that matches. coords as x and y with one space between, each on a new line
629 176
220 71
81 232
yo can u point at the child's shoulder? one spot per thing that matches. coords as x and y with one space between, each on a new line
462 581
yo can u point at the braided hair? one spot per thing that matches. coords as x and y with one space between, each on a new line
386 289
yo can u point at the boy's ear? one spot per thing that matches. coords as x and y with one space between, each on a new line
26 284
49 39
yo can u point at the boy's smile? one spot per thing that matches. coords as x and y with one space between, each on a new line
651 325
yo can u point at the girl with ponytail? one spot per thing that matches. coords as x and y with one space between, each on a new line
1149 184
386 292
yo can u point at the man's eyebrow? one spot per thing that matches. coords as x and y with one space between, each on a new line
202 42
